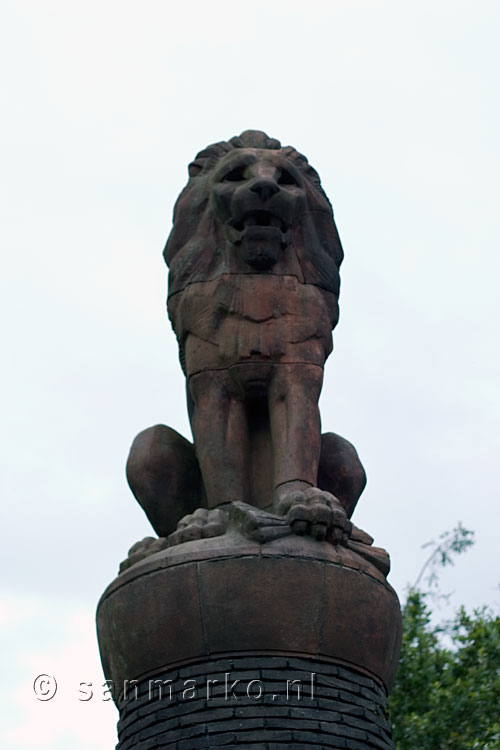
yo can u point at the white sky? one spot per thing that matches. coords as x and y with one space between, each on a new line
396 106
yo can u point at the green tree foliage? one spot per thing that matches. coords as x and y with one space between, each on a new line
447 691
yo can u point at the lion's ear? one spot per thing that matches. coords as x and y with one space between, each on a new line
195 168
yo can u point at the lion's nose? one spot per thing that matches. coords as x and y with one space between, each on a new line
265 189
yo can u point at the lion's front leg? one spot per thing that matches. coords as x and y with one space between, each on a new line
293 395
220 432
296 436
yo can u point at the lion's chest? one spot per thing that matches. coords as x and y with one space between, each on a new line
253 316
256 299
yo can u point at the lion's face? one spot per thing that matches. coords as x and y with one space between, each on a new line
250 206
258 196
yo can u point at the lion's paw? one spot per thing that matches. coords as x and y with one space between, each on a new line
316 513
140 550
202 524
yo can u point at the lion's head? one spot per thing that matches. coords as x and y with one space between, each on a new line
253 206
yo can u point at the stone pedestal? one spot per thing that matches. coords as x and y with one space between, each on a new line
309 631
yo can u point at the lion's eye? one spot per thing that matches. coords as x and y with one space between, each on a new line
235 175
286 178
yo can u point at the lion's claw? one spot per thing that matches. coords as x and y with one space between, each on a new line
316 513
140 550
202 524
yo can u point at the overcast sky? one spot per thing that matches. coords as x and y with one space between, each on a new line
396 105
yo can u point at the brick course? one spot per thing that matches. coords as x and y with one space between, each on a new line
346 710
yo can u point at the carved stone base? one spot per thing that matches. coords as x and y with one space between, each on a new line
229 595
260 702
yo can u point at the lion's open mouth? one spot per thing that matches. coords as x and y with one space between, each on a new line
259 219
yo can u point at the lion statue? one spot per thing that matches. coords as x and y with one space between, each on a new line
254 258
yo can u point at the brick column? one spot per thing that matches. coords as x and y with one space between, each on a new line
257 702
